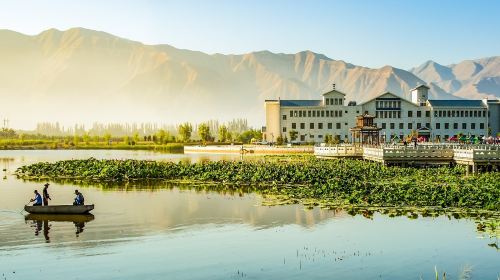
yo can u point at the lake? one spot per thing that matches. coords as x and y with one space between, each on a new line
165 231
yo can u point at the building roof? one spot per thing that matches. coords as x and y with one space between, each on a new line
457 103
333 91
419 86
300 103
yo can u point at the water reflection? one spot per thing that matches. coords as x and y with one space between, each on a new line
41 223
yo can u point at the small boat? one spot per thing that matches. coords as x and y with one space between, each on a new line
59 209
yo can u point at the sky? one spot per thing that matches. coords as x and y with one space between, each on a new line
401 33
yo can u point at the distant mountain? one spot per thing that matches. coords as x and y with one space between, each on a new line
82 75
470 78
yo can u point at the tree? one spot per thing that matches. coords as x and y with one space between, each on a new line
162 136
204 132
136 137
86 138
185 131
76 139
279 140
248 135
223 133
126 140
107 138
293 135
328 139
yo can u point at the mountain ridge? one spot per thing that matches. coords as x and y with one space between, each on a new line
166 84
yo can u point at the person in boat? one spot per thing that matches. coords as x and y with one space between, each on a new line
37 200
79 199
46 196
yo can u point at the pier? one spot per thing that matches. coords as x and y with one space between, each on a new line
475 157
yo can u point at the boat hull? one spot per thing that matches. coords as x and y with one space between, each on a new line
59 209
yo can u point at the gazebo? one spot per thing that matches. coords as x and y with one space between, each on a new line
365 132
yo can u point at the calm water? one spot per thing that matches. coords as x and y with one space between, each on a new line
170 233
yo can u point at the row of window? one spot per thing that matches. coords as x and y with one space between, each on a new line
436 126
311 136
388 104
314 113
313 126
460 113
334 101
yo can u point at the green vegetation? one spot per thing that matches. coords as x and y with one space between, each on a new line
333 182
185 131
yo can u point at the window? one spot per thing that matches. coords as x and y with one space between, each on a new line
472 126
438 126
446 126
410 114
330 125
294 126
340 113
461 114
427 114
284 117
464 126
309 113
401 126
455 126
338 125
328 101
419 114
302 126
428 125
320 136
314 114
410 126
392 125
284 129
300 114
322 114
481 126
320 125
466 114
291 114
311 136
383 125
399 114
311 125
475 114
419 125
327 114
336 113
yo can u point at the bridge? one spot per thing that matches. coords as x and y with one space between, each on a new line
475 157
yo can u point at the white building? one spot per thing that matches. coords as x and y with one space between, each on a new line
435 119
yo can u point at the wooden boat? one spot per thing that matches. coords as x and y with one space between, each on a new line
76 218
59 209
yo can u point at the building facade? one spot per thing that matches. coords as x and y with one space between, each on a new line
436 120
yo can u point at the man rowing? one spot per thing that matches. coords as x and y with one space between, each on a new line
37 201
79 199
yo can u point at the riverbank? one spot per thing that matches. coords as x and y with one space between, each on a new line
58 145
336 183
249 149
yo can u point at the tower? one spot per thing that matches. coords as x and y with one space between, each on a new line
420 94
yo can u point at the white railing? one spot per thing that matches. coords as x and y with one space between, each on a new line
338 151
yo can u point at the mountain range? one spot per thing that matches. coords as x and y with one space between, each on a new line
82 75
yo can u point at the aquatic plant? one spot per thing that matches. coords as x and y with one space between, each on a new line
340 182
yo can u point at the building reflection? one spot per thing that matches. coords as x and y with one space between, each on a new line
42 223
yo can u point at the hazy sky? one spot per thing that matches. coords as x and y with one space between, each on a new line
372 33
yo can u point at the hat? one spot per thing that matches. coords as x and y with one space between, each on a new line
46 184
